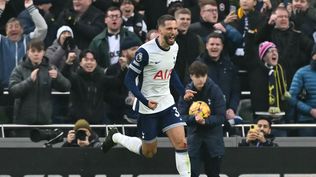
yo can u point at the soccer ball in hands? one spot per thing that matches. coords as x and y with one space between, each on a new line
201 108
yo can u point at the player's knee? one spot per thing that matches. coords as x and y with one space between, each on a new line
181 144
149 153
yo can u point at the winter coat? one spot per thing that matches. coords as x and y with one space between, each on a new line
57 55
224 73
33 104
210 134
87 94
293 46
100 46
304 79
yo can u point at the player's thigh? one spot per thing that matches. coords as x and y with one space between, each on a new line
148 127
173 126
177 138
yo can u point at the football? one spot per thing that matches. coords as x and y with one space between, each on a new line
201 108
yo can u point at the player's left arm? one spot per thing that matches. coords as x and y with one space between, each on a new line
176 83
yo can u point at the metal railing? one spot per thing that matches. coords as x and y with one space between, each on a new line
3 126
123 126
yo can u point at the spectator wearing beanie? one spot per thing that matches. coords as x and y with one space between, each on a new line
294 47
63 47
121 98
266 80
303 91
28 25
82 136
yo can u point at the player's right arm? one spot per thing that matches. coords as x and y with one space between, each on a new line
135 69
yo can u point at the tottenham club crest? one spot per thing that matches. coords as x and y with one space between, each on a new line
139 57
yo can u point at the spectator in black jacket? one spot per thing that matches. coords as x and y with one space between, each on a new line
82 136
205 135
85 20
294 47
132 20
259 134
89 87
224 73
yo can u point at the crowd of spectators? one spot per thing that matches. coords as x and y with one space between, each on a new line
89 44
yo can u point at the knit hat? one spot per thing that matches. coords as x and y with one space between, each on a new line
169 2
82 123
129 42
63 29
39 2
264 47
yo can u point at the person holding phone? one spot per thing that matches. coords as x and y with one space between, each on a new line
259 134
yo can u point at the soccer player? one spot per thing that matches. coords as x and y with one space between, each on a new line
153 65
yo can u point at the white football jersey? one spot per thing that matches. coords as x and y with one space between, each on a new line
154 66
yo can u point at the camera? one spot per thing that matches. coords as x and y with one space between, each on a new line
254 127
81 135
69 44
52 136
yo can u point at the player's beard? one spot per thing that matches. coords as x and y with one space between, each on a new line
169 42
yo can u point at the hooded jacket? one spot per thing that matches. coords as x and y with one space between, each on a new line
33 104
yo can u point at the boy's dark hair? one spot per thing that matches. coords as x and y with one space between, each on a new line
264 118
84 53
198 68
36 44
161 20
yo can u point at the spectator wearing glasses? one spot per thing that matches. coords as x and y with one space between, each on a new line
107 44
259 134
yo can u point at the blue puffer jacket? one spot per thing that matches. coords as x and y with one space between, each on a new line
304 79
12 52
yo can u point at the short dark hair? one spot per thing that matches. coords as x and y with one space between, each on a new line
112 8
198 68
264 118
84 53
215 35
161 20
36 44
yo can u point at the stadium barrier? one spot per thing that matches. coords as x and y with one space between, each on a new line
119 162
243 127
